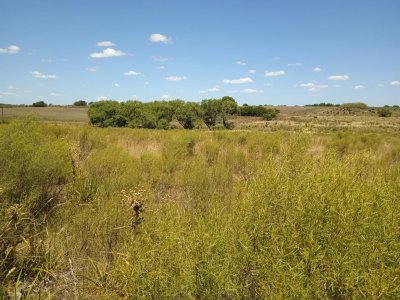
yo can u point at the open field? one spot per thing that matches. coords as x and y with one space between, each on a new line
305 118
111 213
53 114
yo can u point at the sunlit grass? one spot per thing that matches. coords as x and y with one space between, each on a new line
179 214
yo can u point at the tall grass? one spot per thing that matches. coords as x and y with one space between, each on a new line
210 215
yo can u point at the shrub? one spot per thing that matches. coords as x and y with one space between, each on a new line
39 104
80 103
359 105
384 112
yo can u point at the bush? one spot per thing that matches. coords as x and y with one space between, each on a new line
359 105
384 112
80 103
39 104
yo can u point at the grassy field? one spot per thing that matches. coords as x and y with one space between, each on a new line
295 212
303 118
53 114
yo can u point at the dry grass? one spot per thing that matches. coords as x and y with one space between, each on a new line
54 114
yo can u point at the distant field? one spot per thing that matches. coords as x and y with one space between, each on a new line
307 118
61 114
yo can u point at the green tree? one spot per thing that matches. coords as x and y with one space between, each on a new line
39 104
105 113
80 103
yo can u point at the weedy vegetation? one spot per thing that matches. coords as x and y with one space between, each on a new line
121 213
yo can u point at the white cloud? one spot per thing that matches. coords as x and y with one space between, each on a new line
317 69
105 44
37 74
161 67
313 86
100 98
11 87
108 52
275 73
52 94
12 49
339 77
395 83
252 71
381 85
238 81
251 91
241 63
359 87
295 65
165 97
116 84
215 88
131 73
92 69
160 38
160 58
176 78
10 94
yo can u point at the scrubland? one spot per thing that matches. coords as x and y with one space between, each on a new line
119 213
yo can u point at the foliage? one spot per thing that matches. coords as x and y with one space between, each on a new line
323 104
159 114
384 112
39 104
358 105
201 215
80 103
258 111
34 169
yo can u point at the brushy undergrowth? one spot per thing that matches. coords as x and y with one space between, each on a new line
90 213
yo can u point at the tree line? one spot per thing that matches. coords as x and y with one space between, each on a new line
213 113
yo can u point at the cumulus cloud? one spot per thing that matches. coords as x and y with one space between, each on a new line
176 78
92 69
131 73
359 87
116 84
40 75
105 44
165 97
160 58
241 63
100 98
395 83
313 86
108 52
10 94
317 69
275 73
339 77
295 65
12 49
238 81
251 91
252 71
215 88
160 38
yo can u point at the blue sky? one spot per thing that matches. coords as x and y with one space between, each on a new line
291 52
